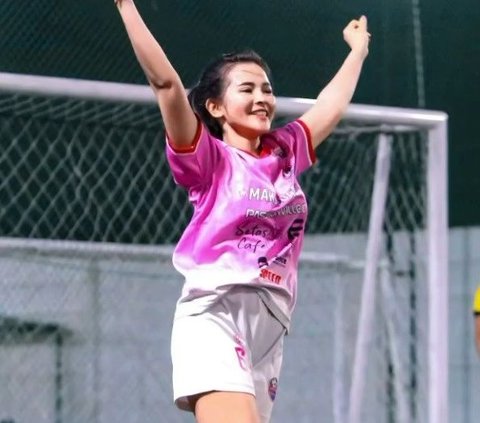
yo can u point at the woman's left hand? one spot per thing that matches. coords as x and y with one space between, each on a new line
357 36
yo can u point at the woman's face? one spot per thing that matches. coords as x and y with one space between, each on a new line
248 103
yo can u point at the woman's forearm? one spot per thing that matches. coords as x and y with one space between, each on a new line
339 91
153 60
334 98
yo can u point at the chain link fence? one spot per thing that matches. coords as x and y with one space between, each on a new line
96 171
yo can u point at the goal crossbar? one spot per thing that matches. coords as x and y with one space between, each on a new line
142 94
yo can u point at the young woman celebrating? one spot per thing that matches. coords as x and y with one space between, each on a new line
239 253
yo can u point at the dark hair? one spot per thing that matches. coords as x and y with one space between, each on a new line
212 85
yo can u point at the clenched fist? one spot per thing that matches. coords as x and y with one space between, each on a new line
357 36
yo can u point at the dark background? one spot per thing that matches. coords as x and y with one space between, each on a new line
302 42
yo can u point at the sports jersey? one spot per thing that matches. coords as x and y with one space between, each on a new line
476 302
249 215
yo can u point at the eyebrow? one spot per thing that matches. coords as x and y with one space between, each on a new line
251 84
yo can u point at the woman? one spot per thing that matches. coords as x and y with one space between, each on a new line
239 253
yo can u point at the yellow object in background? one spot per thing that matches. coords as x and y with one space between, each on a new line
476 302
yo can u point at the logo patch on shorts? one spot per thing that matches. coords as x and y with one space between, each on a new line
272 388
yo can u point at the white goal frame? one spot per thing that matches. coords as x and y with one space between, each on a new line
434 123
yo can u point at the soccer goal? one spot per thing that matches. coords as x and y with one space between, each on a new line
90 213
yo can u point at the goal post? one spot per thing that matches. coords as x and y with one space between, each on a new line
84 176
372 259
434 124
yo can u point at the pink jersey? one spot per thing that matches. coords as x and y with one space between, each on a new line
249 215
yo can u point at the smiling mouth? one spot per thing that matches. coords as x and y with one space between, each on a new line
261 113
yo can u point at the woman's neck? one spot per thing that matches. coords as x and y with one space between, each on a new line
250 144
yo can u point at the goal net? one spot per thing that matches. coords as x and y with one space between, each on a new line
90 214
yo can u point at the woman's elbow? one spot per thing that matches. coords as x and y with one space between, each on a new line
160 84
163 82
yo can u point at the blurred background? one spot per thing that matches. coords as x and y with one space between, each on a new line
423 54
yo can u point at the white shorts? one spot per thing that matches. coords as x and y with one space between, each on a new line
234 346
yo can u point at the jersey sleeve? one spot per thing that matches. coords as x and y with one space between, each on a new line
476 303
194 165
299 140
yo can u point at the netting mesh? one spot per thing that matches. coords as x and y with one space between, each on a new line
85 170
90 329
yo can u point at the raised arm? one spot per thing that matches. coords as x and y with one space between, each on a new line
333 100
178 117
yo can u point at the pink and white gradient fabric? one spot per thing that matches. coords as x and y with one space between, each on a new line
249 215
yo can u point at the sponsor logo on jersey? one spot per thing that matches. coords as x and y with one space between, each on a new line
262 194
262 262
272 388
251 246
284 211
295 229
270 276
255 230
241 352
268 195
